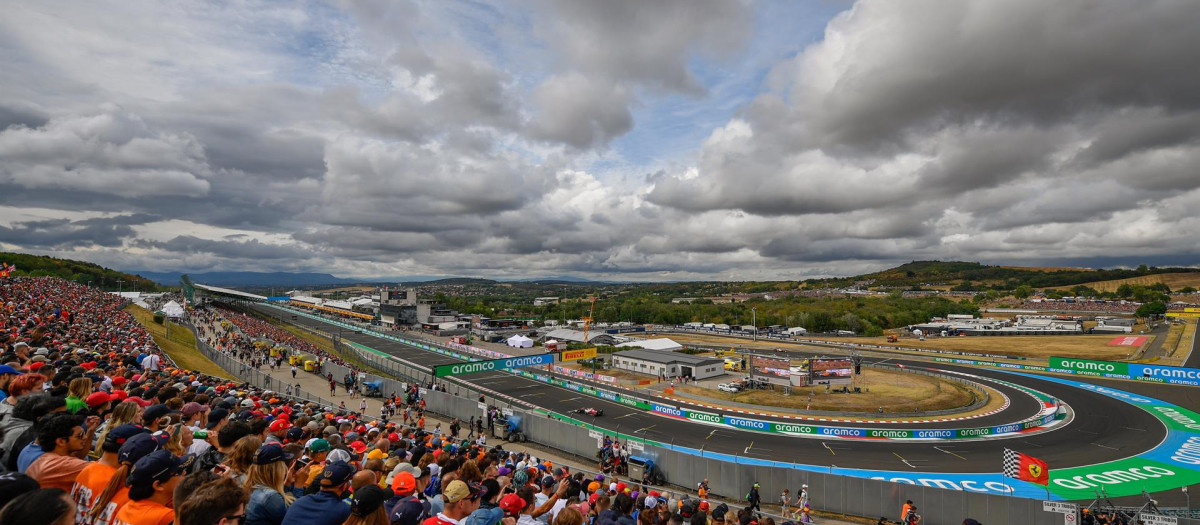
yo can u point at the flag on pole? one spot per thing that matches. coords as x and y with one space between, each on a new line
6 269
1025 468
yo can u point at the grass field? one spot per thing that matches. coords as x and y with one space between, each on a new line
1036 347
181 346
894 391
1173 280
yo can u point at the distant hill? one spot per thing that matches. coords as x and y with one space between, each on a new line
251 278
78 271
923 273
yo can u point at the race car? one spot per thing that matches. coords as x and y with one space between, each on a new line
589 411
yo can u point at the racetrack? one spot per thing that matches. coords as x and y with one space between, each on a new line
1103 429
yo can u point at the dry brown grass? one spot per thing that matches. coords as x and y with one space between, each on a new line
1173 280
1036 347
893 390
181 346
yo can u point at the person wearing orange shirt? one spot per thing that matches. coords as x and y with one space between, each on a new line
94 478
152 482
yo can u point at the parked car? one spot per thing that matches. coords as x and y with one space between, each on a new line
728 387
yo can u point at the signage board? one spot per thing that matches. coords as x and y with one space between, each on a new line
636 445
1059 506
1088 367
1152 519
458 369
575 355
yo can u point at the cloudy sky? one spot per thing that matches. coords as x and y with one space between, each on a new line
630 139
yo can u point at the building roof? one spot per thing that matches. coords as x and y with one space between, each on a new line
565 334
661 343
666 358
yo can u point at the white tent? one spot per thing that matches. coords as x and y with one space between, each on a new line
520 341
653 344
172 309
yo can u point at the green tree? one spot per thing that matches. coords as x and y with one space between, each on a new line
1154 308
1023 292
1125 291
1187 289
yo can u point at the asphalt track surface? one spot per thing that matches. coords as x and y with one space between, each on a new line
1103 428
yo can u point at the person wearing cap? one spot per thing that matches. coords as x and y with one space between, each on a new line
7 373
409 506
153 416
193 415
459 501
94 478
151 484
318 451
368 507
63 438
489 511
325 507
220 502
266 481
547 486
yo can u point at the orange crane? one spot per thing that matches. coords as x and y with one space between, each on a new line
587 321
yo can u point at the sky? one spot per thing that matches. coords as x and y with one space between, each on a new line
628 140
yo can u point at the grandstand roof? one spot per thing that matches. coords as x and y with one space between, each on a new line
666 358
226 291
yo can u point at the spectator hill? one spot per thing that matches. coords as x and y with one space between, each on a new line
78 272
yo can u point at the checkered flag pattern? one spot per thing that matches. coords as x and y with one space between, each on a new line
1012 464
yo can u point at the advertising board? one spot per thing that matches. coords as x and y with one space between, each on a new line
495 364
774 370
575 355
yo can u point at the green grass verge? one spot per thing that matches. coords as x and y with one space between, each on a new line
180 346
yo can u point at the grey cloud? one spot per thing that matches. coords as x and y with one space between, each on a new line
581 112
110 153
251 249
64 234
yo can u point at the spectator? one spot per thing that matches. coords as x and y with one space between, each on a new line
152 484
221 502
115 493
63 440
326 506
41 507
92 481
368 506
459 500
13 484
266 482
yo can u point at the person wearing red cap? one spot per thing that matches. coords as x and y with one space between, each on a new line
98 402
278 431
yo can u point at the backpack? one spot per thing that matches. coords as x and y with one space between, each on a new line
434 486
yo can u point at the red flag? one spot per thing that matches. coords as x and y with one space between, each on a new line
1026 468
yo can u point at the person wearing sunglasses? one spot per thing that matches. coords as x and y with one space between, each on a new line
220 502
